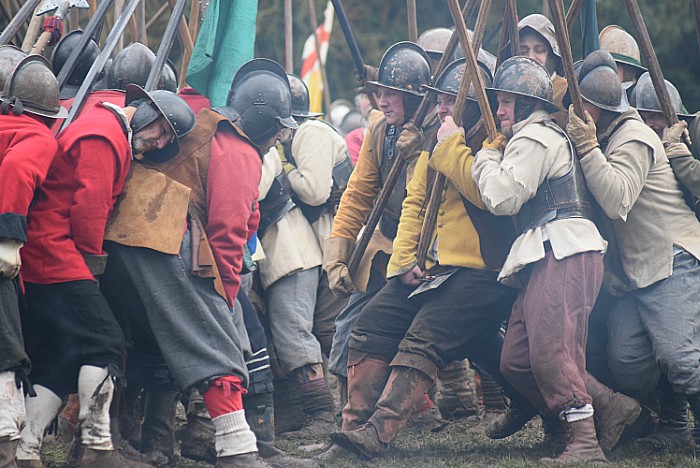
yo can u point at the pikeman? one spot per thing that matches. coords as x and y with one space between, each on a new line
186 282
653 254
558 246
29 104
71 334
625 51
421 322
403 70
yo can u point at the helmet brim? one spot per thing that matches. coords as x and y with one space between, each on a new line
375 85
135 92
680 115
289 122
548 106
62 113
307 115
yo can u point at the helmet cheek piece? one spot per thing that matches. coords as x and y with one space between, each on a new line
523 108
411 102
145 115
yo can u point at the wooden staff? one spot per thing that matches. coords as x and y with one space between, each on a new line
187 46
156 16
471 75
567 60
412 20
140 19
46 35
32 31
657 78
573 12
399 164
194 22
321 62
512 11
288 37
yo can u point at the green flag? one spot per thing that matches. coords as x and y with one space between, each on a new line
225 42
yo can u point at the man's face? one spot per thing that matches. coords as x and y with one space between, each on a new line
156 135
655 121
626 73
506 112
534 46
272 141
390 102
593 110
445 106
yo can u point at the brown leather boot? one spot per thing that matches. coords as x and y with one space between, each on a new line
91 458
518 414
367 377
583 446
457 399
614 412
405 388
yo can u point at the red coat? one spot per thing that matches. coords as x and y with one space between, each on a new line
27 148
113 96
73 205
196 101
235 168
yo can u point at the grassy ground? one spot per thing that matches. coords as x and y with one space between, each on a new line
453 447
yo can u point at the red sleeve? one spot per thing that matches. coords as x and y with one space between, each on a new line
95 167
23 168
232 190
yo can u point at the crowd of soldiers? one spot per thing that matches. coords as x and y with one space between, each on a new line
201 255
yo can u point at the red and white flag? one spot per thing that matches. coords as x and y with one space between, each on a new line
310 67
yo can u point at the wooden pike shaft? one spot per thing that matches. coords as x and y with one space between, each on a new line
657 78
471 75
288 37
399 163
412 20
562 32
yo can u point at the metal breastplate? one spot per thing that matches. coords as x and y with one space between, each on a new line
564 197
389 222
277 203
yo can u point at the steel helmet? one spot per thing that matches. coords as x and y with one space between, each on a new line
404 67
300 98
622 46
85 60
524 77
484 56
152 104
10 56
434 41
131 66
33 88
644 97
260 100
599 83
449 80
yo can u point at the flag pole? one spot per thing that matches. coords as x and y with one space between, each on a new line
321 63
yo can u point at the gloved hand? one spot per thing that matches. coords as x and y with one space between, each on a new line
447 128
497 144
9 258
336 253
582 134
674 133
410 142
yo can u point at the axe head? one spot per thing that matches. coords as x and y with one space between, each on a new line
50 5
